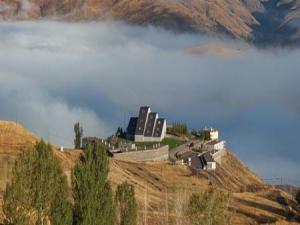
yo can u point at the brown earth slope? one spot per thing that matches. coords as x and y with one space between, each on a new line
229 16
162 189
262 20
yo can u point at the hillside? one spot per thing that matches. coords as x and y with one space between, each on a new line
264 21
165 187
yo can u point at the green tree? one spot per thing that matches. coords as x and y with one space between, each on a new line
78 135
126 204
38 191
209 208
93 197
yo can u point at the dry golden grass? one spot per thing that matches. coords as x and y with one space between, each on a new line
13 137
162 189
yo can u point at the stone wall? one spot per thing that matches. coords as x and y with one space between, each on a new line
161 153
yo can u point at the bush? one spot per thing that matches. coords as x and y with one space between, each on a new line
179 129
126 204
209 208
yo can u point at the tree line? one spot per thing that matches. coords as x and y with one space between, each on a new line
178 128
39 194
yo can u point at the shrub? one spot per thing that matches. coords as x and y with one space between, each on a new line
209 208
126 204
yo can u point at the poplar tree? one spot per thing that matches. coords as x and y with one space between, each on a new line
126 206
38 191
78 135
93 197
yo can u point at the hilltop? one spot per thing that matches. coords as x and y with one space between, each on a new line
162 185
262 21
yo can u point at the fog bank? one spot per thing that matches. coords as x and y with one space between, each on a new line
55 74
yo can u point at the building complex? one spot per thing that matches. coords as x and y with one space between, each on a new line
147 127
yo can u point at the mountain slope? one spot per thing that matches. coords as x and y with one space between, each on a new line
228 16
162 186
264 21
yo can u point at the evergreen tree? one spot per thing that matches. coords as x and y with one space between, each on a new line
78 135
126 204
38 191
93 198
209 208
120 133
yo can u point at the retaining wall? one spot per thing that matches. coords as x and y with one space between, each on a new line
158 154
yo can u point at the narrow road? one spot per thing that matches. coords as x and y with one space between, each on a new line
181 148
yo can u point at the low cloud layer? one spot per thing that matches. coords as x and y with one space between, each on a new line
54 74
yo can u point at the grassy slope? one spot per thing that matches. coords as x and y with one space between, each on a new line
164 185
173 143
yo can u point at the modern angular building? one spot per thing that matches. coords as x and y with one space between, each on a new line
148 127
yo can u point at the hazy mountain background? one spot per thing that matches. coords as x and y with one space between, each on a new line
262 21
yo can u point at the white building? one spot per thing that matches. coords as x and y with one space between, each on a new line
210 134
214 145
148 127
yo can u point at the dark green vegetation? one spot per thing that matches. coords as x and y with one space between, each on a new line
38 192
93 197
178 129
78 135
173 143
120 133
126 205
209 208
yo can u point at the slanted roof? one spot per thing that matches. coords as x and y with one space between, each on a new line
196 162
132 126
141 123
207 157
150 124
159 125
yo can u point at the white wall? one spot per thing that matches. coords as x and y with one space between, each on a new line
214 135
211 147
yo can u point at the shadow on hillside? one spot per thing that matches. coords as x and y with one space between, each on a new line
258 218
278 211
270 29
